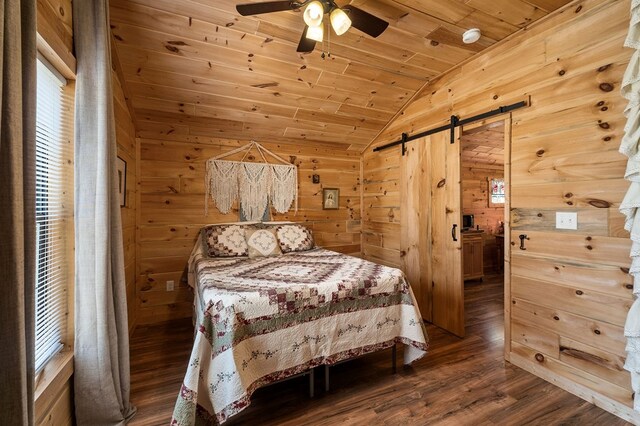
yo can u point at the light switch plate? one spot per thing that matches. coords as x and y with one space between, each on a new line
566 220
170 285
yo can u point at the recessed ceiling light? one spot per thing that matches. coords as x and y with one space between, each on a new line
471 36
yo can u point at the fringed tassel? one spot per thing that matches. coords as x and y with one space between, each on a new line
221 184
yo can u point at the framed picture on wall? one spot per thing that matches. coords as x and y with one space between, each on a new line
330 198
496 192
122 181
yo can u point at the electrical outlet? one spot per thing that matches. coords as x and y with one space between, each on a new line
566 220
170 285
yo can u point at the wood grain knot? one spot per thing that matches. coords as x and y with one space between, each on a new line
403 253
442 183
568 195
434 43
578 9
557 318
561 73
625 270
606 138
600 204
604 68
589 238
600 103
540 152
606 87
539 215
596 331
172 48
629 286
579 292
539 357
604 125
604 108
513 301
173 229
495 97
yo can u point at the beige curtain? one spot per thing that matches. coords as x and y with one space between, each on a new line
101 374
17 210
630 146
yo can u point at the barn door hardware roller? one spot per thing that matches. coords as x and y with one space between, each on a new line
455 122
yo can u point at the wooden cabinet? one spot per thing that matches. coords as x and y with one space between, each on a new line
472 256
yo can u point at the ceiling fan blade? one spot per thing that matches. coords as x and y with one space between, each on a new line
247 9
306 45
366 22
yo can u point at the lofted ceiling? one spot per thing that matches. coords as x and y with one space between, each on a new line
196 68
483 145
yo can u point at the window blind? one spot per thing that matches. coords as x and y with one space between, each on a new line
54 211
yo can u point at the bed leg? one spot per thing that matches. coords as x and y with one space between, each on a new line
311 383
393 359
326 378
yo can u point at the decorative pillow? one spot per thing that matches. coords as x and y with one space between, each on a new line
226 240
262 242
294 238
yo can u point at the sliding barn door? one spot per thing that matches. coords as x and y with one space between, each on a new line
415 233
446 220
431 244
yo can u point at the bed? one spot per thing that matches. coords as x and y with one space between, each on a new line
263 319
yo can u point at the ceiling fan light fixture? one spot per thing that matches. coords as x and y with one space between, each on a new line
315 33
313 14
339 21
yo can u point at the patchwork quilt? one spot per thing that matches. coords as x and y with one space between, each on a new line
263 319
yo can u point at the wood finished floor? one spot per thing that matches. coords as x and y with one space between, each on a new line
460 381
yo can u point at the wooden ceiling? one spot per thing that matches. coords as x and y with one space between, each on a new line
483 145
195 68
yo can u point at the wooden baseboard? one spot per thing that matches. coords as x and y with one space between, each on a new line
614 407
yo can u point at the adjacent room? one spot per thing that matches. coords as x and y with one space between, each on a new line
307 212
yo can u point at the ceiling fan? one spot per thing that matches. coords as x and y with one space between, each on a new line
341 18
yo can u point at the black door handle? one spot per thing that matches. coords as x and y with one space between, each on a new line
453 232
522 238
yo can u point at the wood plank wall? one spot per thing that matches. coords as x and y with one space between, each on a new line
570 290
126 139
171 205
475 201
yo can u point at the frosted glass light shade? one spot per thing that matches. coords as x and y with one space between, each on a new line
340 21
313 14
315 33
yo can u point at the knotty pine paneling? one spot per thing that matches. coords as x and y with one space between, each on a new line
200 61
569 290
126 140
171 203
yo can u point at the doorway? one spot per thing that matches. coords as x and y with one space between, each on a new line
431 241
483 214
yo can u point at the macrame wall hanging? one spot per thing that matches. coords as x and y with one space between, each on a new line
255 185
630 146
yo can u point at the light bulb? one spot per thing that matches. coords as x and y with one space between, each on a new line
340 21
315 33
313 14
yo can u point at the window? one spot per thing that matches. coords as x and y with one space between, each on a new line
54 211
496 192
